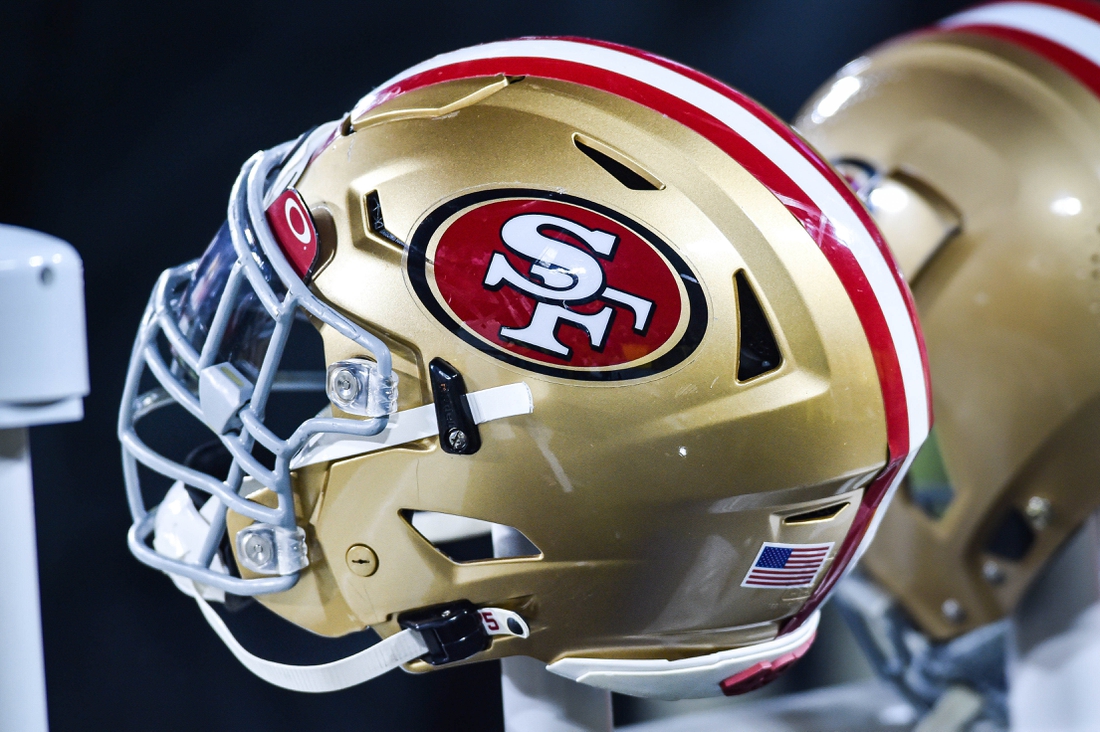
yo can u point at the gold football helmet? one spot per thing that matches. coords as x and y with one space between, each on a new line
576 298
977 146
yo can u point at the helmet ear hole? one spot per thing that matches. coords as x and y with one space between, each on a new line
759 352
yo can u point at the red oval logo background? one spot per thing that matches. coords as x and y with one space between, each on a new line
557 285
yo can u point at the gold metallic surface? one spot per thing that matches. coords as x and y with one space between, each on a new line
649 498
914 216
1010 306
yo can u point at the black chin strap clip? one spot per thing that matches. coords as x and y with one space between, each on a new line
452 632
458 433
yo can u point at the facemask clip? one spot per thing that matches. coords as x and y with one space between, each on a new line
267 549
356 386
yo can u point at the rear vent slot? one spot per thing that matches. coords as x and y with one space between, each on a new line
622 168
825 513
759 351
462 539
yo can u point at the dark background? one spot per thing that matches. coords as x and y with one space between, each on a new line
122 127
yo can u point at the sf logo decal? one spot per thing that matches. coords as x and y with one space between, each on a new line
561 275
556 285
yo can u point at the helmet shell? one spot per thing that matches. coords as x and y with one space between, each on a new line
647 490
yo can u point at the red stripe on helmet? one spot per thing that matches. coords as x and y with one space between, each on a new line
1073 63
1087 8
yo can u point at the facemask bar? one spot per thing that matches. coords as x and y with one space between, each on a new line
255 246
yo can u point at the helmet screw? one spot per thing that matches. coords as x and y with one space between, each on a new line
457 439
345 385
952 610
362 560
258 549
993 573
1038 512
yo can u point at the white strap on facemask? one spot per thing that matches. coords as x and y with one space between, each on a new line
410 425
181 531
384 656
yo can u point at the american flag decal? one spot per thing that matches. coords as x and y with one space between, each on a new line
787 565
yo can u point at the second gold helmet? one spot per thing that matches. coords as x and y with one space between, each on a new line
977 143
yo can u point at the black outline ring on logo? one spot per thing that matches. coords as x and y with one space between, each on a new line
696 300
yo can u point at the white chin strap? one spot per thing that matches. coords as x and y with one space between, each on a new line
376 660
386 655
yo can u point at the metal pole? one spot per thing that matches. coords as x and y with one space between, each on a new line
22 673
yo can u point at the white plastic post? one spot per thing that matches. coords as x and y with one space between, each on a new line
22 675
43 379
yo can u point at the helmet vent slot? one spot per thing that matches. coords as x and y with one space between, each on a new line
621 168
463 539
759 352
375 221
824 513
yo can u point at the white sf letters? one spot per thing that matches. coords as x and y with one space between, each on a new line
561 274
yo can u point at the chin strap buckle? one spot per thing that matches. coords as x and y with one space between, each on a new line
452 632
438 635
457 631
